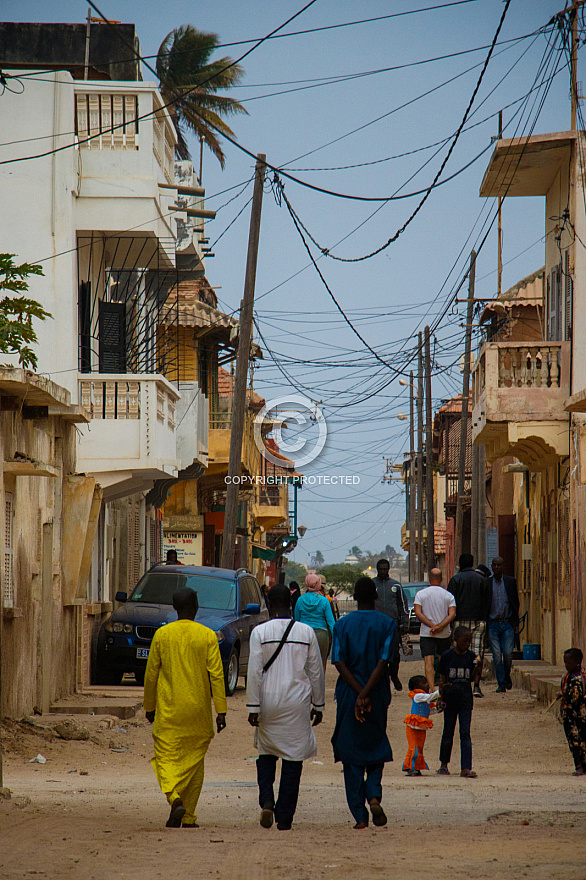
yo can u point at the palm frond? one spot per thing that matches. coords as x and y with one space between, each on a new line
189 83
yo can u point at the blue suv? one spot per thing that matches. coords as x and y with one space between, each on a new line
230 602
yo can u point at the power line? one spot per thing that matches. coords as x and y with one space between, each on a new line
434 183
169 103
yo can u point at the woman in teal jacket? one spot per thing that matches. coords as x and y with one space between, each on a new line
315 610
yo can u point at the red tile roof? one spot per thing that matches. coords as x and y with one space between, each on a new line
226 388
454 405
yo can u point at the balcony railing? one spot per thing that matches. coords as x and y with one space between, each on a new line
220 419
269 495
519 392
513 365
108 119
133 424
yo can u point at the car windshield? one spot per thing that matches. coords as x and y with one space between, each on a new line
158 588
411 590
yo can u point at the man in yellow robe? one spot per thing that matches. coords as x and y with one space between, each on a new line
184 661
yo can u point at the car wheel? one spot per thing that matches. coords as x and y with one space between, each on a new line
108 677
231 672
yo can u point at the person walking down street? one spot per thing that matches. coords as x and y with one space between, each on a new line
391 601
459 668
334 604
285 692
471 590
573 708
295 593
364 641
418 723
314 609
503 617
435 608
184 671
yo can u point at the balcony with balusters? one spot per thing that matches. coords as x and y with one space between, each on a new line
519 391
125 158
130 440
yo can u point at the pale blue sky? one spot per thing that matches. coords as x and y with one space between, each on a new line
389 296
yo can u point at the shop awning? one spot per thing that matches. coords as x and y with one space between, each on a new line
259 551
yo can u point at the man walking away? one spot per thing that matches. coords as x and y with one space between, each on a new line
392 602
471 591
503 617
435 607
184 671
363 643
285 677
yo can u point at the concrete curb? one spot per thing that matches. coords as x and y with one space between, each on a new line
541 679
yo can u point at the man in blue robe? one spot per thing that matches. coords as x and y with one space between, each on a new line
363 643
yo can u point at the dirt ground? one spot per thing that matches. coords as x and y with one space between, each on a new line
94 809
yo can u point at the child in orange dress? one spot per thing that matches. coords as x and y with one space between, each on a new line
418 723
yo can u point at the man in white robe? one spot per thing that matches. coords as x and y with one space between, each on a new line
284 696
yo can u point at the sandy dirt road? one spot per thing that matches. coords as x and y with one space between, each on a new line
525 815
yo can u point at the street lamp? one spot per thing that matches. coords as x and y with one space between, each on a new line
402 417
302 530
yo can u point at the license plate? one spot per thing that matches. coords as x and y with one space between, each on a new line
142 653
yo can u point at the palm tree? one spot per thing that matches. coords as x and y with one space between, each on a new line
189 83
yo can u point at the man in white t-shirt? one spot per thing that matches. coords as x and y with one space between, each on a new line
435 608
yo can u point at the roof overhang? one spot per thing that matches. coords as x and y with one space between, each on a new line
526 166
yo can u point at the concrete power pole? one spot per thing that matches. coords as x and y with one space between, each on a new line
420 568
240 379
412 489
429 511
464 416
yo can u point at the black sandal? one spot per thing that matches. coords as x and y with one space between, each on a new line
177 813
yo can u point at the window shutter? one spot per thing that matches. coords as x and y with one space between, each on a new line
554 305
84 307
153 543
8 591
112 322
133 543
567 334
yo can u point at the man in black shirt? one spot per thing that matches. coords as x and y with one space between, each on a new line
472 594
392 602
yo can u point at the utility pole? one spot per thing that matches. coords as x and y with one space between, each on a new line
420 567
574 62
412 490
429 512
240 379
464 415
474 503
88 30
500 225
478 506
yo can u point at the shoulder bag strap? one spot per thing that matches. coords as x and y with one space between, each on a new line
279 647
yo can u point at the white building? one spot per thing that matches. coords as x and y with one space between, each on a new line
88 190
